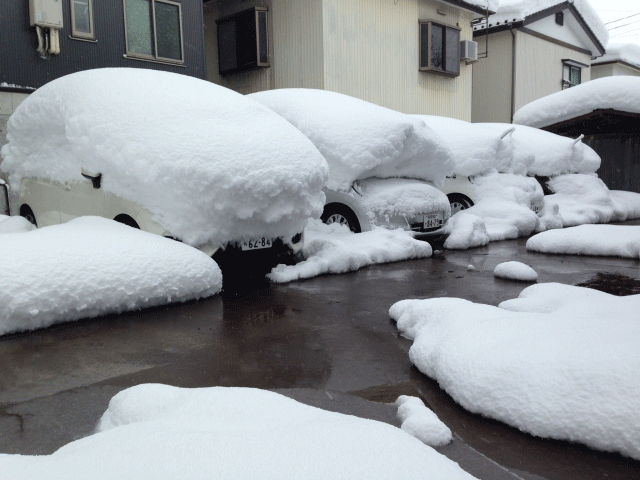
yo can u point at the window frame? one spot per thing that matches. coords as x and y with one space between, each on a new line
76 33
429 67
257 10
154 40
571 64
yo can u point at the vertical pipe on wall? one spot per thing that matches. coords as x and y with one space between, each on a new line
513 72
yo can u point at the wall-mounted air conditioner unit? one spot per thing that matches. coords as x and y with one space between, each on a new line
468 51
46 13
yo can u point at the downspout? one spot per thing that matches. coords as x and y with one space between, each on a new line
513 72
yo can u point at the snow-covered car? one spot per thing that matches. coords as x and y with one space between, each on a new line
167 153
382 163
413 205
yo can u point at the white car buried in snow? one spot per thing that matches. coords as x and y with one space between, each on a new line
170 154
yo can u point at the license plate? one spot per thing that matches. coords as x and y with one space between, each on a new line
433 220
256 244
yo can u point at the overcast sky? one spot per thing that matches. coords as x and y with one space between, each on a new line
621 30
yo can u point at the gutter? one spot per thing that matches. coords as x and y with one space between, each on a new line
513 72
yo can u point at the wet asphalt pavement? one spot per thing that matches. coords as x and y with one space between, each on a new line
326 342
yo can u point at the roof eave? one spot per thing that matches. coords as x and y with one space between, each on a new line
470 7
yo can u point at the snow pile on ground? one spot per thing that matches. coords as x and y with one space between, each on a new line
559 362
335 249
517 10
174 144
619 93
360 139
626 201
515 271
586 199
392 197
476 148
420 422
163 432
600 240
91 266
467 231
15 224
624 52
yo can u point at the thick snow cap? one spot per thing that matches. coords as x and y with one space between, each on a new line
517 10
618 93
623 52
209 163
360 139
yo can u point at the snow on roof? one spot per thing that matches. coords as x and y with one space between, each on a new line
209 163
490 5
360 139
518 10
619 93
623 52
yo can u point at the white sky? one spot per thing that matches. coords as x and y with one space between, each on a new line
621 30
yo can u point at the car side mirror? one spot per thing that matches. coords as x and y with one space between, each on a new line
96 178
4 198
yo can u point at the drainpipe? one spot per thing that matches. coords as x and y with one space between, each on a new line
513 72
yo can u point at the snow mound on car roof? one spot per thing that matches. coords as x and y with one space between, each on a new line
209 163
360 139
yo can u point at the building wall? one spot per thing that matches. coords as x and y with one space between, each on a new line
611 69
371 51
491 100
539 68
21 65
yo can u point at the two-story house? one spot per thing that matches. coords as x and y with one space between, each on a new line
401 54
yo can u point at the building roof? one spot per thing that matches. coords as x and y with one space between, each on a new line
626 53
481 7
520 13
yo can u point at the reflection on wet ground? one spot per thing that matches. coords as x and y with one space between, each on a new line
327 341
613 283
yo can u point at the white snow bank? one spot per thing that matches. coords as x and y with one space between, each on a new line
209 163
619 93
92 266
515 271
160 432
15 224
389 197
335 249
558 362
467 231
627 201
360 139
420 422
516 10
624 52
600 240
586 199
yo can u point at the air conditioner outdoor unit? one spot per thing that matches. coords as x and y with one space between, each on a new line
468 51
46 13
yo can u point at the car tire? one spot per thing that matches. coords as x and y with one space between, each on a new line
337 213
459 202
127 220
26 212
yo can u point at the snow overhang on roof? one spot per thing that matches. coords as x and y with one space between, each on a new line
480 7
534 16
627 54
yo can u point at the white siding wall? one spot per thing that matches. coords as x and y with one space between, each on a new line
371 52
492 80
539 67
611 69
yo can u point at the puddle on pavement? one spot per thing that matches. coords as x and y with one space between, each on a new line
613 283
387 393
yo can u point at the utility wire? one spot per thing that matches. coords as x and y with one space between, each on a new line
623 18
624 34
626 24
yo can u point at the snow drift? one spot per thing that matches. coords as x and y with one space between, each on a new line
209 163
92 266
360 139
558 362
163 432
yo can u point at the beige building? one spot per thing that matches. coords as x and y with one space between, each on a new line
620 59
530 58
402 54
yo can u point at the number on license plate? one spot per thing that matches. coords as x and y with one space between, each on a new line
256 244
431 221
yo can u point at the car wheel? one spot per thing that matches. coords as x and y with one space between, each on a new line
458 202
336 213
26 212
127 220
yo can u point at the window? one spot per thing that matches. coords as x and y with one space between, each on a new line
154 30
439 48
242 41
82 19
571 73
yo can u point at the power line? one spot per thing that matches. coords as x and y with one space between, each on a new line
625 25
623 18
624 34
